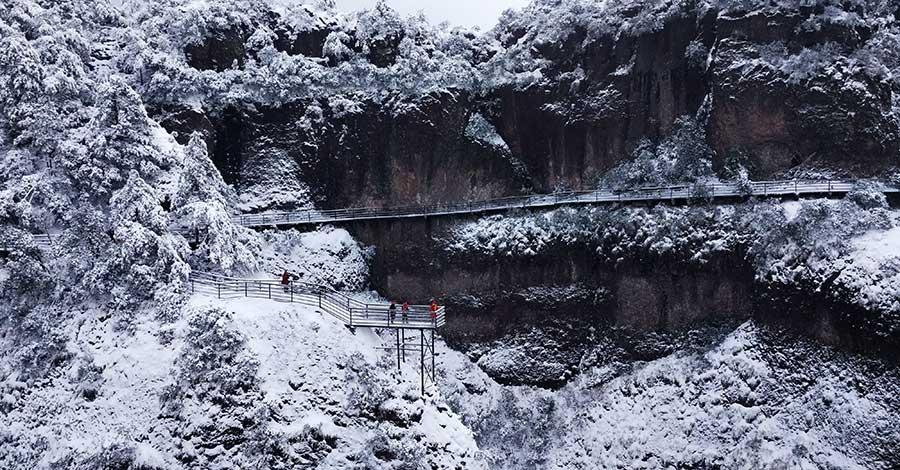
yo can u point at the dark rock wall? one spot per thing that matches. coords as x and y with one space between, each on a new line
371 157
567 131
634 88
485 296
490 297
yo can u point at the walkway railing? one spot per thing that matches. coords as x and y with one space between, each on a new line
348 310
666 193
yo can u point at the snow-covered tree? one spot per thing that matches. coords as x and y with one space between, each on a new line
118 141
137 202
200 204
199 179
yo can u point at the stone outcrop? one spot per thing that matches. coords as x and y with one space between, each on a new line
369 157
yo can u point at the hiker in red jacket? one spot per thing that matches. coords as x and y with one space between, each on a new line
433 308
285 280
404 311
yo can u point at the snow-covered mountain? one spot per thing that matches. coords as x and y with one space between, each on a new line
742 334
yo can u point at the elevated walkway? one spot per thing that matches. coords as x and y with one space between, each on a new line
674 193
348 310
411 333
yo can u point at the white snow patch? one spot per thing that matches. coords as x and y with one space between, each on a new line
876 246
791 209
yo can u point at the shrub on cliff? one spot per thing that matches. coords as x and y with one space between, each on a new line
683 157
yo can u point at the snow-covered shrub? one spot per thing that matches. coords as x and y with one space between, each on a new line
328 255
114 456
26 277
682 157
215 396
868 196
391 449
696 54
214 366
367 389
785 251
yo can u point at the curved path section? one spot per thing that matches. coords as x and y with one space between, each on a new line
349 311
660 194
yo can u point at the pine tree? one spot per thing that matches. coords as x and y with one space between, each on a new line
137 202
199 179
118 140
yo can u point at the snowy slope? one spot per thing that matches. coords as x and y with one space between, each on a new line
316 378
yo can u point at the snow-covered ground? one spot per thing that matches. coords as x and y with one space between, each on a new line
318 382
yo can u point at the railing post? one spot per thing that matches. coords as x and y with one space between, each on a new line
292 291
320 300
192 285
433 373
422 358
245 289
270 291
219 289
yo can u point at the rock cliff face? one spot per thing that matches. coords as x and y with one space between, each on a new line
491 297
781 90
365 157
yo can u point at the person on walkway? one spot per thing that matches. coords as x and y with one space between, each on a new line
392 312
285 280
404 311
433 308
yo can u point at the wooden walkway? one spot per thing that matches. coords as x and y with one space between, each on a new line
658 194
349 311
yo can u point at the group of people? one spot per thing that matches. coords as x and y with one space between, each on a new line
404 311
287 277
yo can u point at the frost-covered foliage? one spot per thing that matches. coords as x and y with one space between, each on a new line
374 51
480 130
241 384
683 157
752 398
328 256
200 202
216 392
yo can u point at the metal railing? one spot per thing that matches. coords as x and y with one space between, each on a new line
346 309
665 193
